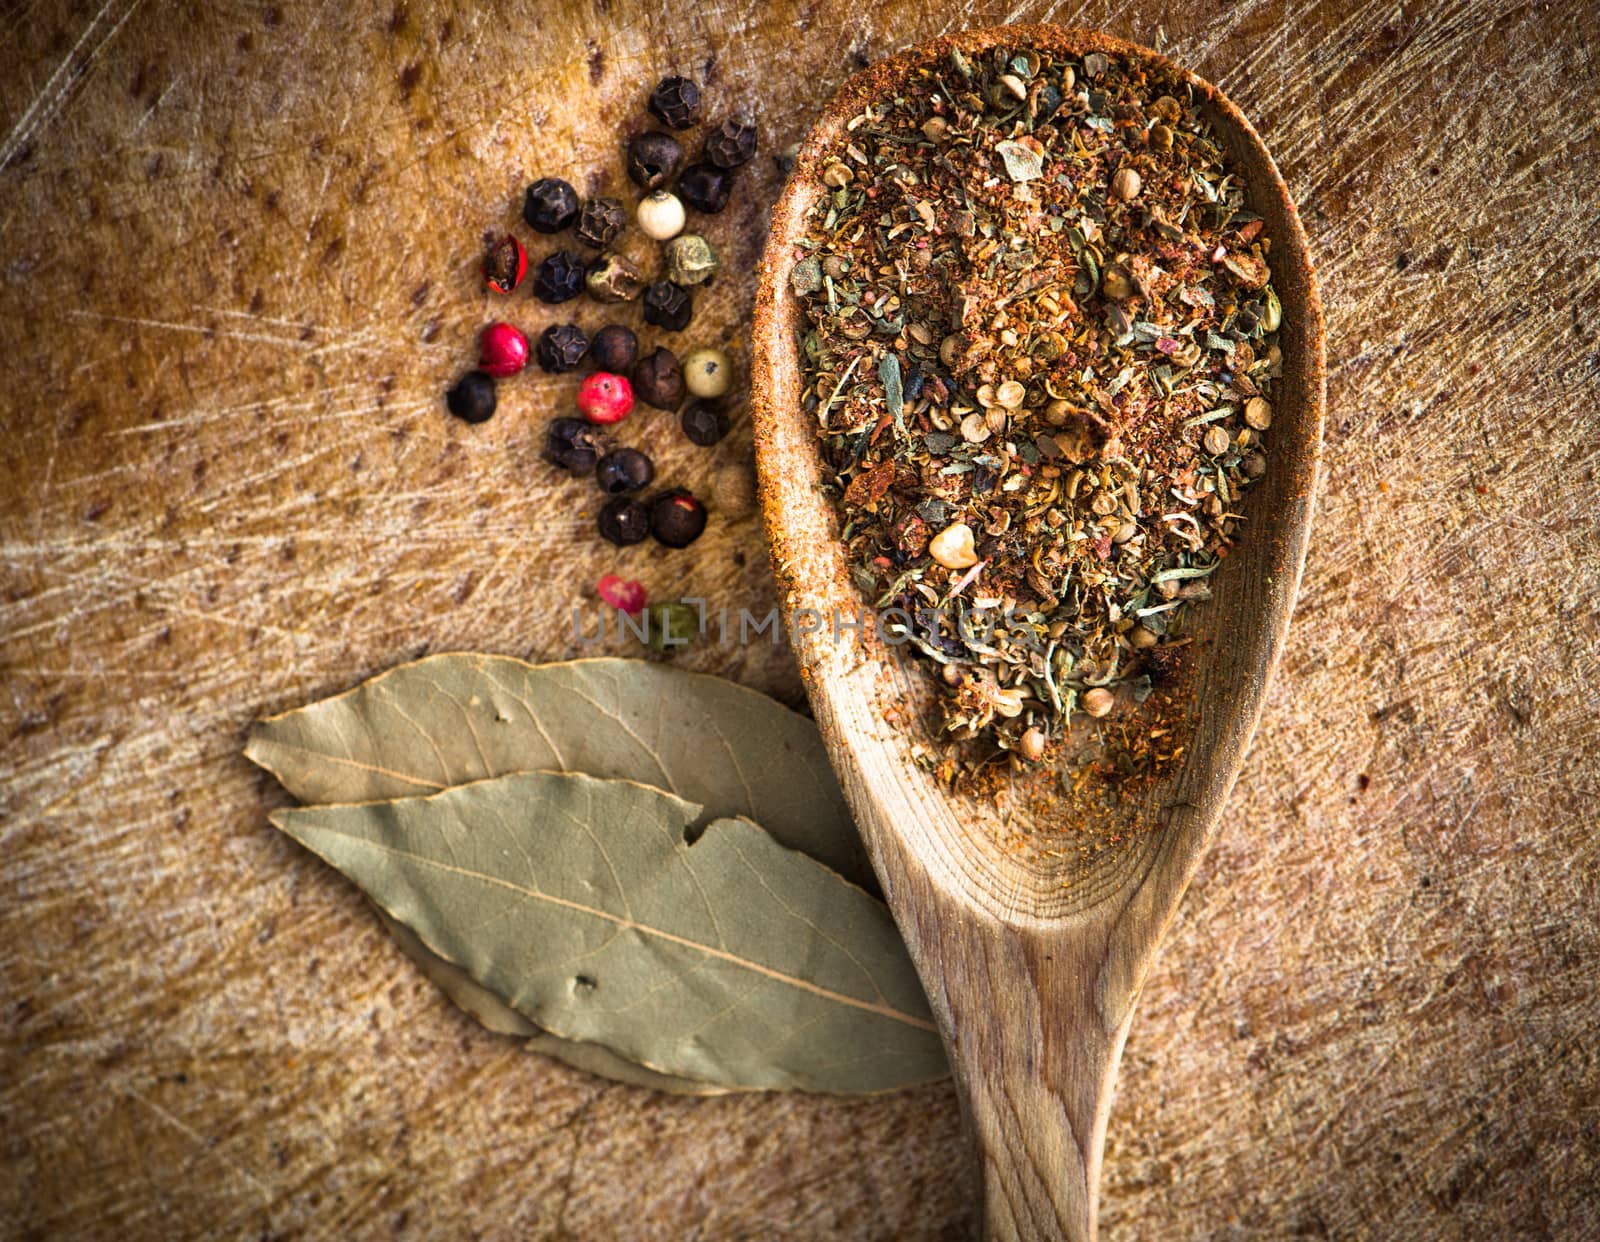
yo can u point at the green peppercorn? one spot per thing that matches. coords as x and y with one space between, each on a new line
614 278
691 260
671 625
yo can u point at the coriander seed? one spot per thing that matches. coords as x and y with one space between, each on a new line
1126 185
1097 701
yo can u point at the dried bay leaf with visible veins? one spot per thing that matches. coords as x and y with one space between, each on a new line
449 719
579 902
492 1012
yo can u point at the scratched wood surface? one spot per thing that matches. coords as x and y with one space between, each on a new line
237 268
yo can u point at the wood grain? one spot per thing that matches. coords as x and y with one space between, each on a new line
237 252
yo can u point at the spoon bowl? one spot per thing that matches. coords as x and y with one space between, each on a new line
1032 958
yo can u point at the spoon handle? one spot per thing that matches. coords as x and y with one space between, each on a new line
1035 1039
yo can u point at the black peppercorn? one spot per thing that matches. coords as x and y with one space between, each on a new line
559 278
704 423
614 348
472 399
652 158
561 347
624 521
614 278
705 187
572 444
677 518
731 144
550 205
675 102
600 221
668 306
624 470
658 379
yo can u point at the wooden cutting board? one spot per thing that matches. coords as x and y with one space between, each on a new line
238 251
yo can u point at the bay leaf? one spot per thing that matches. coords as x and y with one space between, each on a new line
584 905
494 1014
450 719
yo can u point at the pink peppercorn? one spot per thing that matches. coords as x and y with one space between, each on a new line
505 265
624 594
605 398
502 350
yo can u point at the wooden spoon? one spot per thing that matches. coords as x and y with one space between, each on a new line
1032 966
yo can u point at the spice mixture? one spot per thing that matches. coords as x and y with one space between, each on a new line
1041 347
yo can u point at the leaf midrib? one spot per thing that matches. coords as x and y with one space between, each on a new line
628 924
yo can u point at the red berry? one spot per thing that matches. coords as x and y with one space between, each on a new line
502 350
605 398
626 595
505 265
